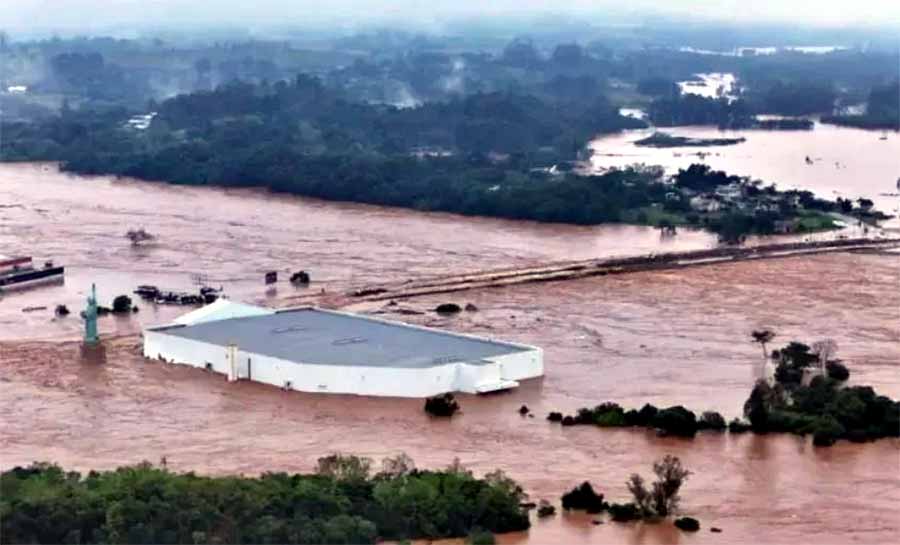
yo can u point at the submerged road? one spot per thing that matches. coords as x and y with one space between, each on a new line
570 270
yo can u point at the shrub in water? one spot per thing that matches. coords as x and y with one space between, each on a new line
837 371
687 524
676 421
624 512
647 413
583 498
827 431
442 405
480 537
609 415
711 420
545 509
121 304
738 426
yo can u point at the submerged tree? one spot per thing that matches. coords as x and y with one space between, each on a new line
825 350
661 499
344 468
398 466
763 399
763 337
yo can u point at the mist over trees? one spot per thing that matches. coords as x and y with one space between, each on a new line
461 122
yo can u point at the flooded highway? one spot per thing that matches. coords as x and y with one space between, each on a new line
663 337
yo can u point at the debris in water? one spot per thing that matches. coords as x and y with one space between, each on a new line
545 509
448 308
138 236
300 277
687 524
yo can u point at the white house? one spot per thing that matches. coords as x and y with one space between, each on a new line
315 350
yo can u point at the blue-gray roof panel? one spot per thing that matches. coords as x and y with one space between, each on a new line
327 338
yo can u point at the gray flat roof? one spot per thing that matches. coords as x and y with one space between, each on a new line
323 337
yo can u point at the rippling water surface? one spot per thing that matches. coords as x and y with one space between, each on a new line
661 337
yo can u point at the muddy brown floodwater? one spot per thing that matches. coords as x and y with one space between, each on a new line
233 237
829 160
663 337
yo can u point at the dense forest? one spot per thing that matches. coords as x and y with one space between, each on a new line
342 503
420 121
307 119
553 61
495 154
478 156
882 110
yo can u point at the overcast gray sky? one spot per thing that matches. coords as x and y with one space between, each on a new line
24 15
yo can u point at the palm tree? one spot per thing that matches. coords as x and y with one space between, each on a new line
763 337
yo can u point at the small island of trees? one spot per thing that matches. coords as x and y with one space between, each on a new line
808 395
652 503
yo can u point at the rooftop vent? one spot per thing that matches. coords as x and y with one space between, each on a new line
289 329
446 359
349 340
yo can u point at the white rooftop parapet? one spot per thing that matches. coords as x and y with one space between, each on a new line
221 309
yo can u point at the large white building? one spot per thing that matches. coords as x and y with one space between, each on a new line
315 350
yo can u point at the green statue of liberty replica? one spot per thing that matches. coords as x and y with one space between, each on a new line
91 346
91 337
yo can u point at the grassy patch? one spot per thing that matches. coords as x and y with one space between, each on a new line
815 221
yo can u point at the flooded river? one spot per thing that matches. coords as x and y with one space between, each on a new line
664 337
234 236
846 162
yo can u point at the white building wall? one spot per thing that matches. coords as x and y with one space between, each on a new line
158 345
347 379
352 379
521 365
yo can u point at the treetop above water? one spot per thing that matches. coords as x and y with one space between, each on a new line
341 503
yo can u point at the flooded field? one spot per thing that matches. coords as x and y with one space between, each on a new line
846 162
661 337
